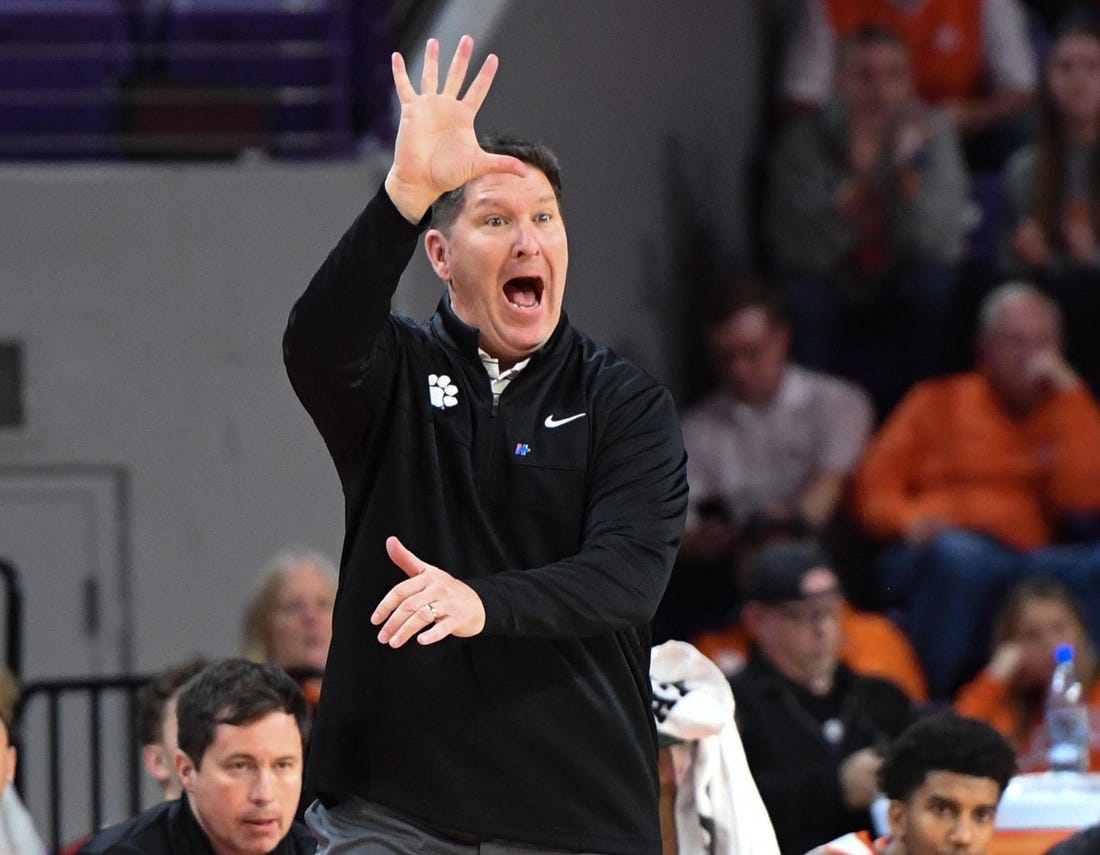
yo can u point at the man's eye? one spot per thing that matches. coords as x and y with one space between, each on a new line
543 218
494 221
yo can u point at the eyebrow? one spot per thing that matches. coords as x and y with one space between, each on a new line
244 755
494 201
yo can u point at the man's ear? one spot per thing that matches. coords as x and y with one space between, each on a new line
897 815
13 758
435 244
156 762
185 769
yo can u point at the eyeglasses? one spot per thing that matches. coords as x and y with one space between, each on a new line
815 609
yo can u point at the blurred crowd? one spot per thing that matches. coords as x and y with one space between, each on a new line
895 474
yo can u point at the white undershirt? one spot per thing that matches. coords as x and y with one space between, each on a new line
499 380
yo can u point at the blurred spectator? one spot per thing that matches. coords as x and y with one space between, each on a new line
944 777
288 621
1010 693
17 833
157 723
973 479
974 58
865 220
870 644
811 726
774 441
242 729
1053 190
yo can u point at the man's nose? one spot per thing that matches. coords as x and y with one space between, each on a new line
263 788
524 241
962 832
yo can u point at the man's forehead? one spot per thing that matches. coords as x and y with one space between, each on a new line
276 732
500 186
972 790
819 581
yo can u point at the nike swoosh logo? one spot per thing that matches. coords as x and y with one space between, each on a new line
551 422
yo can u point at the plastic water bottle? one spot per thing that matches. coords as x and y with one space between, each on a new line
1067 716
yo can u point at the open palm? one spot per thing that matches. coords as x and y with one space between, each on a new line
436 148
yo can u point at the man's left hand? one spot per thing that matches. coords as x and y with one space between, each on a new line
431 604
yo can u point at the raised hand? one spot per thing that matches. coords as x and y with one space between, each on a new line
436 148
431 604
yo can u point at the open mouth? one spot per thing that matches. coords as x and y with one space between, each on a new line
524 292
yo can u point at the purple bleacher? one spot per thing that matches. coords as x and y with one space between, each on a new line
60 65
295 50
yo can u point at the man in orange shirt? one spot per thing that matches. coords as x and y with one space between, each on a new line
973 479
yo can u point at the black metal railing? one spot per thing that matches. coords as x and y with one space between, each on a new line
13 606
41 712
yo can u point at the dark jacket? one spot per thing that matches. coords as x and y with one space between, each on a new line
539 729
795 766
1084 842
170 828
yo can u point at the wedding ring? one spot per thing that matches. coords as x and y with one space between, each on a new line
431 608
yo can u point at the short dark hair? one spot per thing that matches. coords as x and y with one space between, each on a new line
868 35
728 296
446 207
945 742
152 697
235 691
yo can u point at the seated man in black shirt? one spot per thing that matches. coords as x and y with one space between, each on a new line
242 728
811 727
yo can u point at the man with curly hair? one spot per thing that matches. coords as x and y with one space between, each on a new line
944 777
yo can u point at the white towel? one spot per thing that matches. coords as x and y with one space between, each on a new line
718 808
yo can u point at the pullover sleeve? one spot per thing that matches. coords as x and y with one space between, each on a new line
335 325
985 698
634 518
885 502
931 227
805 794
845 428
806 229
1075 481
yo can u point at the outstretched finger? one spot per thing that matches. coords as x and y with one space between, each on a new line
438 632
479 86
397 595
404 625
404 558
459 65
429 77
401 82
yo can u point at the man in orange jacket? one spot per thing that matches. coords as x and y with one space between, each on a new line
975 477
